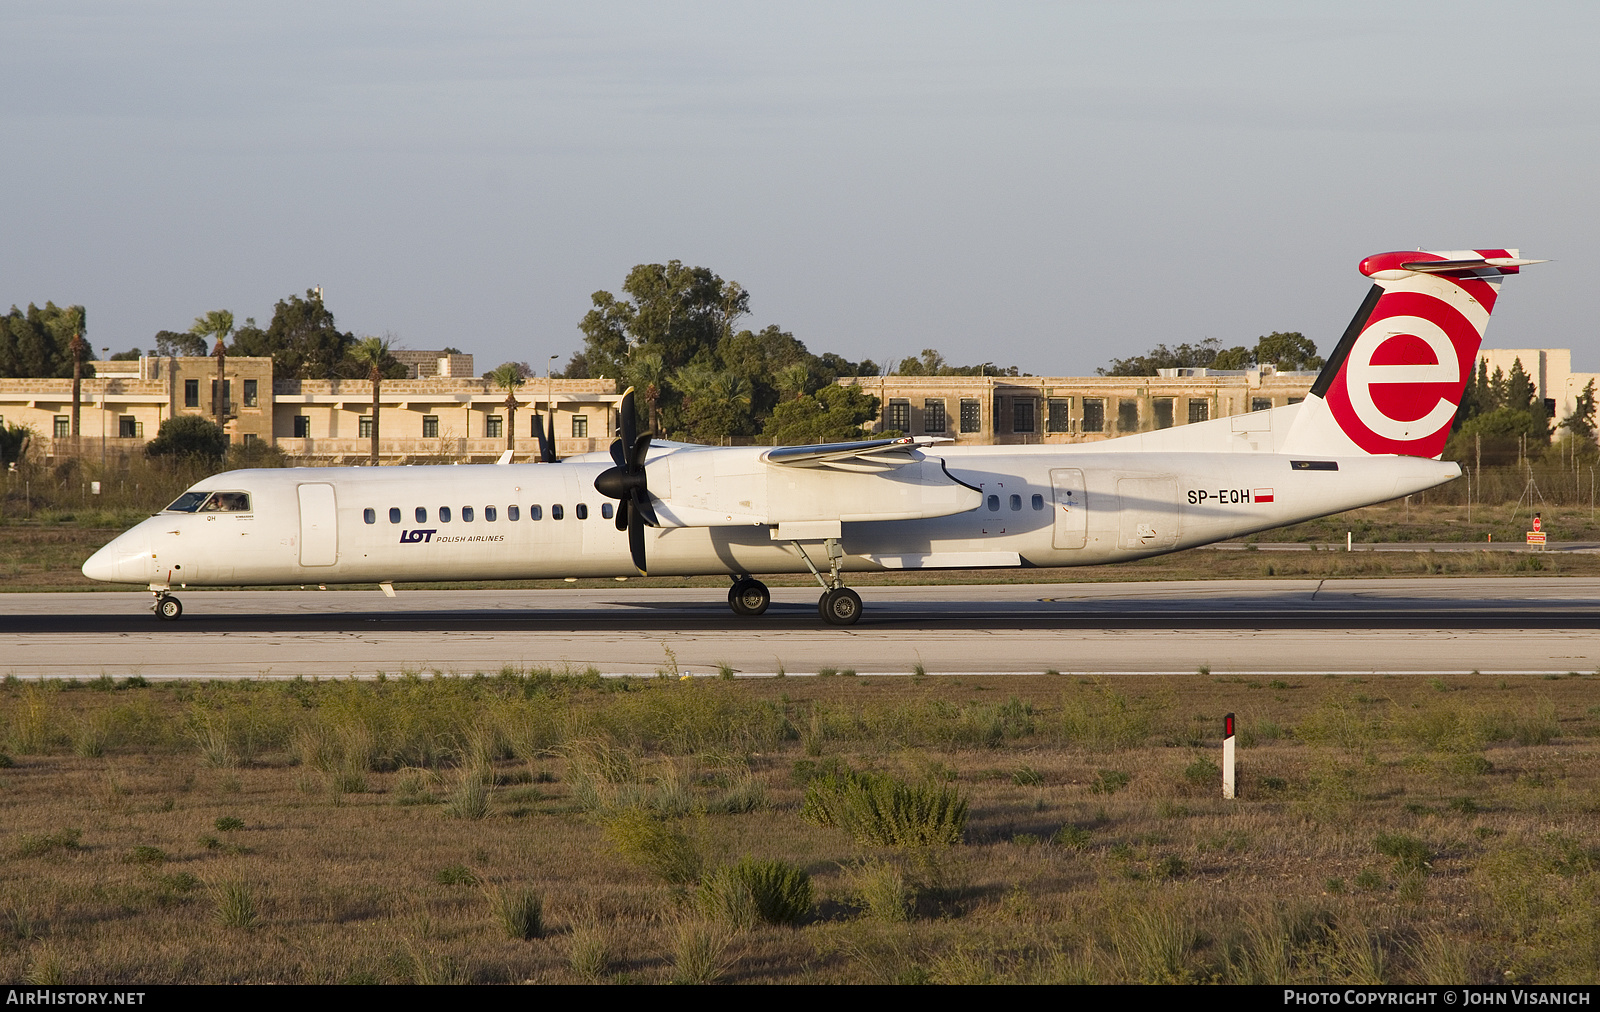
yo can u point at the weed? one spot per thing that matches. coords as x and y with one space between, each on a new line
1334 887
699 950
236 904
38 844
881 810
660 847
1369 879
1105 721
146 855
470 798
1072 837
1409 853
1109 781
589 950
455 874
228 823
1026 776
1202 773
725 670
1154 944
520 912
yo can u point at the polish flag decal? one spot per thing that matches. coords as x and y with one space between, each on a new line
1261 494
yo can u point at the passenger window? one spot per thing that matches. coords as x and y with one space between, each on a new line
1038 501
489 514
605 510
1016 502
444 514
582 509
422 514
535 512
513 513
394 514
466 514
370 515
994 503
555 512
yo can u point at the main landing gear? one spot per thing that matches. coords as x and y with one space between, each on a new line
167 607
748 596
839 605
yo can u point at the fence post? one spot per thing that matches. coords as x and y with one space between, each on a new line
1227 757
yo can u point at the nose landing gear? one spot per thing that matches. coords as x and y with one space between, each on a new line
167 607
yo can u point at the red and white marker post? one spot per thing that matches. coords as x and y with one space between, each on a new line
1227 757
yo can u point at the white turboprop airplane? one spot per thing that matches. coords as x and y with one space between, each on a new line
1370 431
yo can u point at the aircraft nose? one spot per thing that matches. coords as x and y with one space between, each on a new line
124 560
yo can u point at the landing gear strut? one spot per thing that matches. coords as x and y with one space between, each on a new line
167 607
839 604
748 596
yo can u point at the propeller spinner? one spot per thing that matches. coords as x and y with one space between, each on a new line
626 482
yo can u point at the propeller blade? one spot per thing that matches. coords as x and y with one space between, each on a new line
636 542
627 420
547 440
642 508
617 453
622 515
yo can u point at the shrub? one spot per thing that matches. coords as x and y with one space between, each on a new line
1105 721
470 799
189 437
775 892
660 847
228 823
455 874
146 855
1409 853
236 904
878 809
589 950
36 844
519 911
698 950
1202 773
881 890
1072 837
1109 781
1026 776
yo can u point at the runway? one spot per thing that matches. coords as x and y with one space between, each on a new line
1418 626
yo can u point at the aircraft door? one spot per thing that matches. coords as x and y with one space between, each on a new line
1149 514
319 531
1071 508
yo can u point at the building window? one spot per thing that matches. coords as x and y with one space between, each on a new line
1260 403
302 426
251 439
933 419
1058 415
63 428
1127 415
898 415
1022 414
971 415
227 400
580 426
191 393
1296 400
127 427
491 427
430 426
364 427
1199 410
1162 408
1094 414
250 396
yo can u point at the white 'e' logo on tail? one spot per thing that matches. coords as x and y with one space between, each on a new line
1361 374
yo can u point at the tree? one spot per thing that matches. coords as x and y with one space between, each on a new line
831 415
131 355
39 342
176 344
716 403
931 363
302 341
14 440
1581 421
1289 351
371 352
189 437
508 377
218 323
73 322
1184 356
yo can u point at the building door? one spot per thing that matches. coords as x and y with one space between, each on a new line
1071 508
1149 517
319 531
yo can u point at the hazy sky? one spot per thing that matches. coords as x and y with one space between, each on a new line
1049 185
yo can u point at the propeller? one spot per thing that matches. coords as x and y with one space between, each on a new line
626 482
547 438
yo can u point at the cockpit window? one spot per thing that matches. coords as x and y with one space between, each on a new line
188 502
227 502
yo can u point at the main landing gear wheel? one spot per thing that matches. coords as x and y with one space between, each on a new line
840 606
749 597
168 608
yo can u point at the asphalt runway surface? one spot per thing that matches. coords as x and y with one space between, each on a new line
1521 625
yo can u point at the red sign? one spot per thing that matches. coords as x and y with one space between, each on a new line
1537 523
1536 537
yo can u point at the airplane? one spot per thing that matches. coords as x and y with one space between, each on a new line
1371 430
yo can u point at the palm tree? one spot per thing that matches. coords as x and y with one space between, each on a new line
371 352
508 377
73 321
219 324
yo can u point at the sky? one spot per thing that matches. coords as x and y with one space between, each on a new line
1045 185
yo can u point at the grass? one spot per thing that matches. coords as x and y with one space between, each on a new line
1385 831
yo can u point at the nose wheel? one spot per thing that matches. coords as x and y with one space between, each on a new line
167 608
748 597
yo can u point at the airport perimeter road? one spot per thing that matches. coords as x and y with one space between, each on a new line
1516 625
